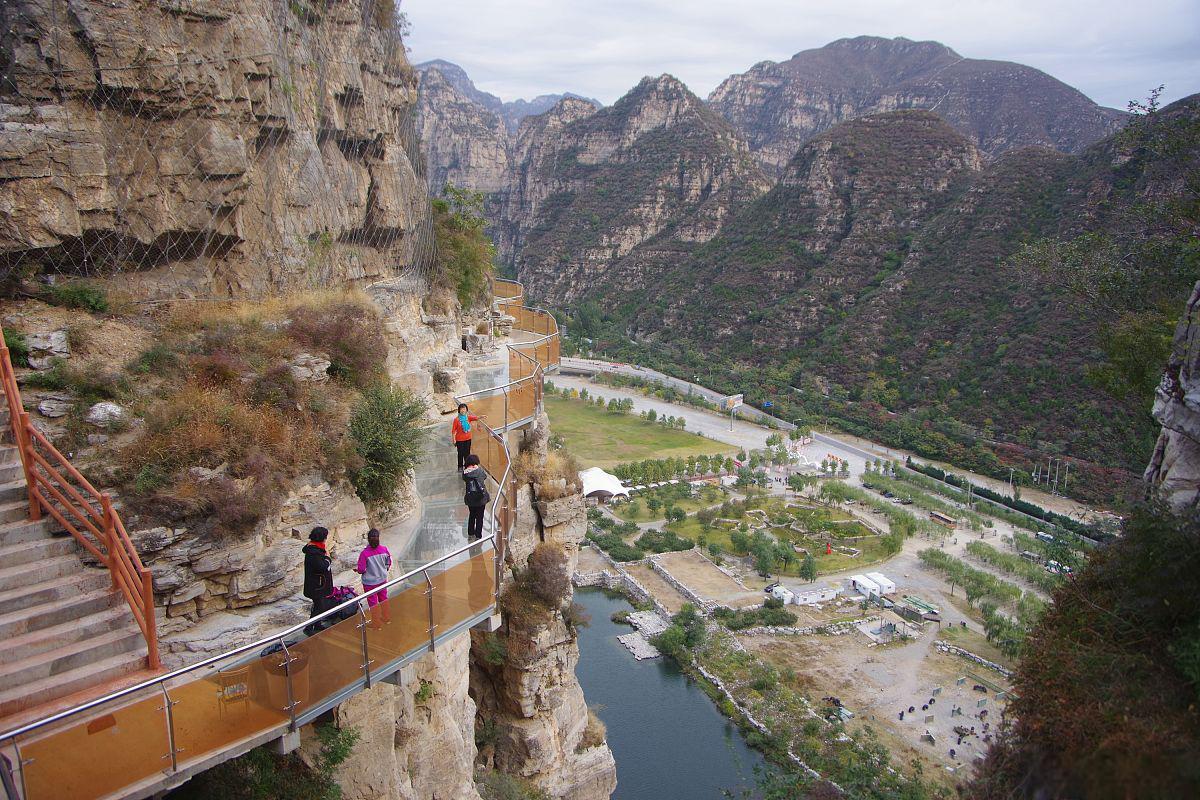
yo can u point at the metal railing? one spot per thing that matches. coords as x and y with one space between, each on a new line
56 488
137 739
156 734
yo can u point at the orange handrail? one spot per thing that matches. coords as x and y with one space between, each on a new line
57 488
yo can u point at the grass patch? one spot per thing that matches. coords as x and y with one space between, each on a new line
598 438
678 496
18 348
76 295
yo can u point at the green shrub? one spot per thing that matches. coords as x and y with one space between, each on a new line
663 542
77 295
91 384
494 650
425 692
385 430
18 348
155 360
502 786
464 249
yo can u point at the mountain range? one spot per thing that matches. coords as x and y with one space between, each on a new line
840 222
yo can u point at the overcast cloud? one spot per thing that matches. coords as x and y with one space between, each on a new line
1112 50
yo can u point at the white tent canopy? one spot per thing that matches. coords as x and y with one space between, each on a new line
598 482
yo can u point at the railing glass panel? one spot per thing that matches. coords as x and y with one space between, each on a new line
115 746
228 702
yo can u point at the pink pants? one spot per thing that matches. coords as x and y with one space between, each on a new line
376 598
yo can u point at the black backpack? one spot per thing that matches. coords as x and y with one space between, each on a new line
477 493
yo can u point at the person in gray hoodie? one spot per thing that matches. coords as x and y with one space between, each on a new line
374 562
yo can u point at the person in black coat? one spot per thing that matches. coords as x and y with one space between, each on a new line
318 577
475 497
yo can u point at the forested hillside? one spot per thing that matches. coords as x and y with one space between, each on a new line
881 278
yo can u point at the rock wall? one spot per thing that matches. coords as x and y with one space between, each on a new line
532 703
207 147
1174 469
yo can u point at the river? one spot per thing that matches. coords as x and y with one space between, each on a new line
670 741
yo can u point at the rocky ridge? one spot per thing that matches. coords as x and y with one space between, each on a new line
999 105
598 196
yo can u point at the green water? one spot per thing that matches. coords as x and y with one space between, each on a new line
670 741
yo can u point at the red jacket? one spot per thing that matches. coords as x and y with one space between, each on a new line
459 434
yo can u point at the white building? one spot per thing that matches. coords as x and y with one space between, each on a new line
783 593
864 585
886 585
815 594
600 486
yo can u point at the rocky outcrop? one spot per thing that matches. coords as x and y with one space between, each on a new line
601 197
523 676
209 147
415 740
1001 106
511 112
1174 470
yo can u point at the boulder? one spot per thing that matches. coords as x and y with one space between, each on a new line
309 368
45 346
105 414
55 406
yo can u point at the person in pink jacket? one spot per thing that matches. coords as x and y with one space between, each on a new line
374 563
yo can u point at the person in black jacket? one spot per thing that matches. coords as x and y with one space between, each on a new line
476 497
318 577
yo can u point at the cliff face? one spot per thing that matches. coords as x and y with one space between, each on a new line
466 143
997 104
600 196
209 147
1175 466
530 703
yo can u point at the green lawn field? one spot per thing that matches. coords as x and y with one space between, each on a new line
602 439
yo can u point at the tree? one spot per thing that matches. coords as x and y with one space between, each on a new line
764 558
653 503
808 568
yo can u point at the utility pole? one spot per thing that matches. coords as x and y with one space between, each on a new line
1057 464
1010 480
1066 475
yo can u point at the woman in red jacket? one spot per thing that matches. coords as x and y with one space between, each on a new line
460 432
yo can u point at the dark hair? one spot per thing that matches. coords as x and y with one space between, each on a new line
318 534
472 460
373 532
461 406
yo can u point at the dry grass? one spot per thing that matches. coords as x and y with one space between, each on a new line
554 477
217 394
594 733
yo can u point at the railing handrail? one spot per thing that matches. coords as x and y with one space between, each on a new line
112 543
237 651
122 555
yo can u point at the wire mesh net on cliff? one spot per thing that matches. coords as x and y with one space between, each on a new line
210 147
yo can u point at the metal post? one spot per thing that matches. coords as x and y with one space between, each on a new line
362 627
1066 475
21 767
432 624
25 443
110 537
287 674
170 728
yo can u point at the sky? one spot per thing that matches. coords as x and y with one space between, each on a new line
1111 50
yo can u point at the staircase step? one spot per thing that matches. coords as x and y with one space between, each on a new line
14 510
26 530
27 645
41 691
15 600
36 551
70 656
12 472
44 615
9 454
14 490
28 575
